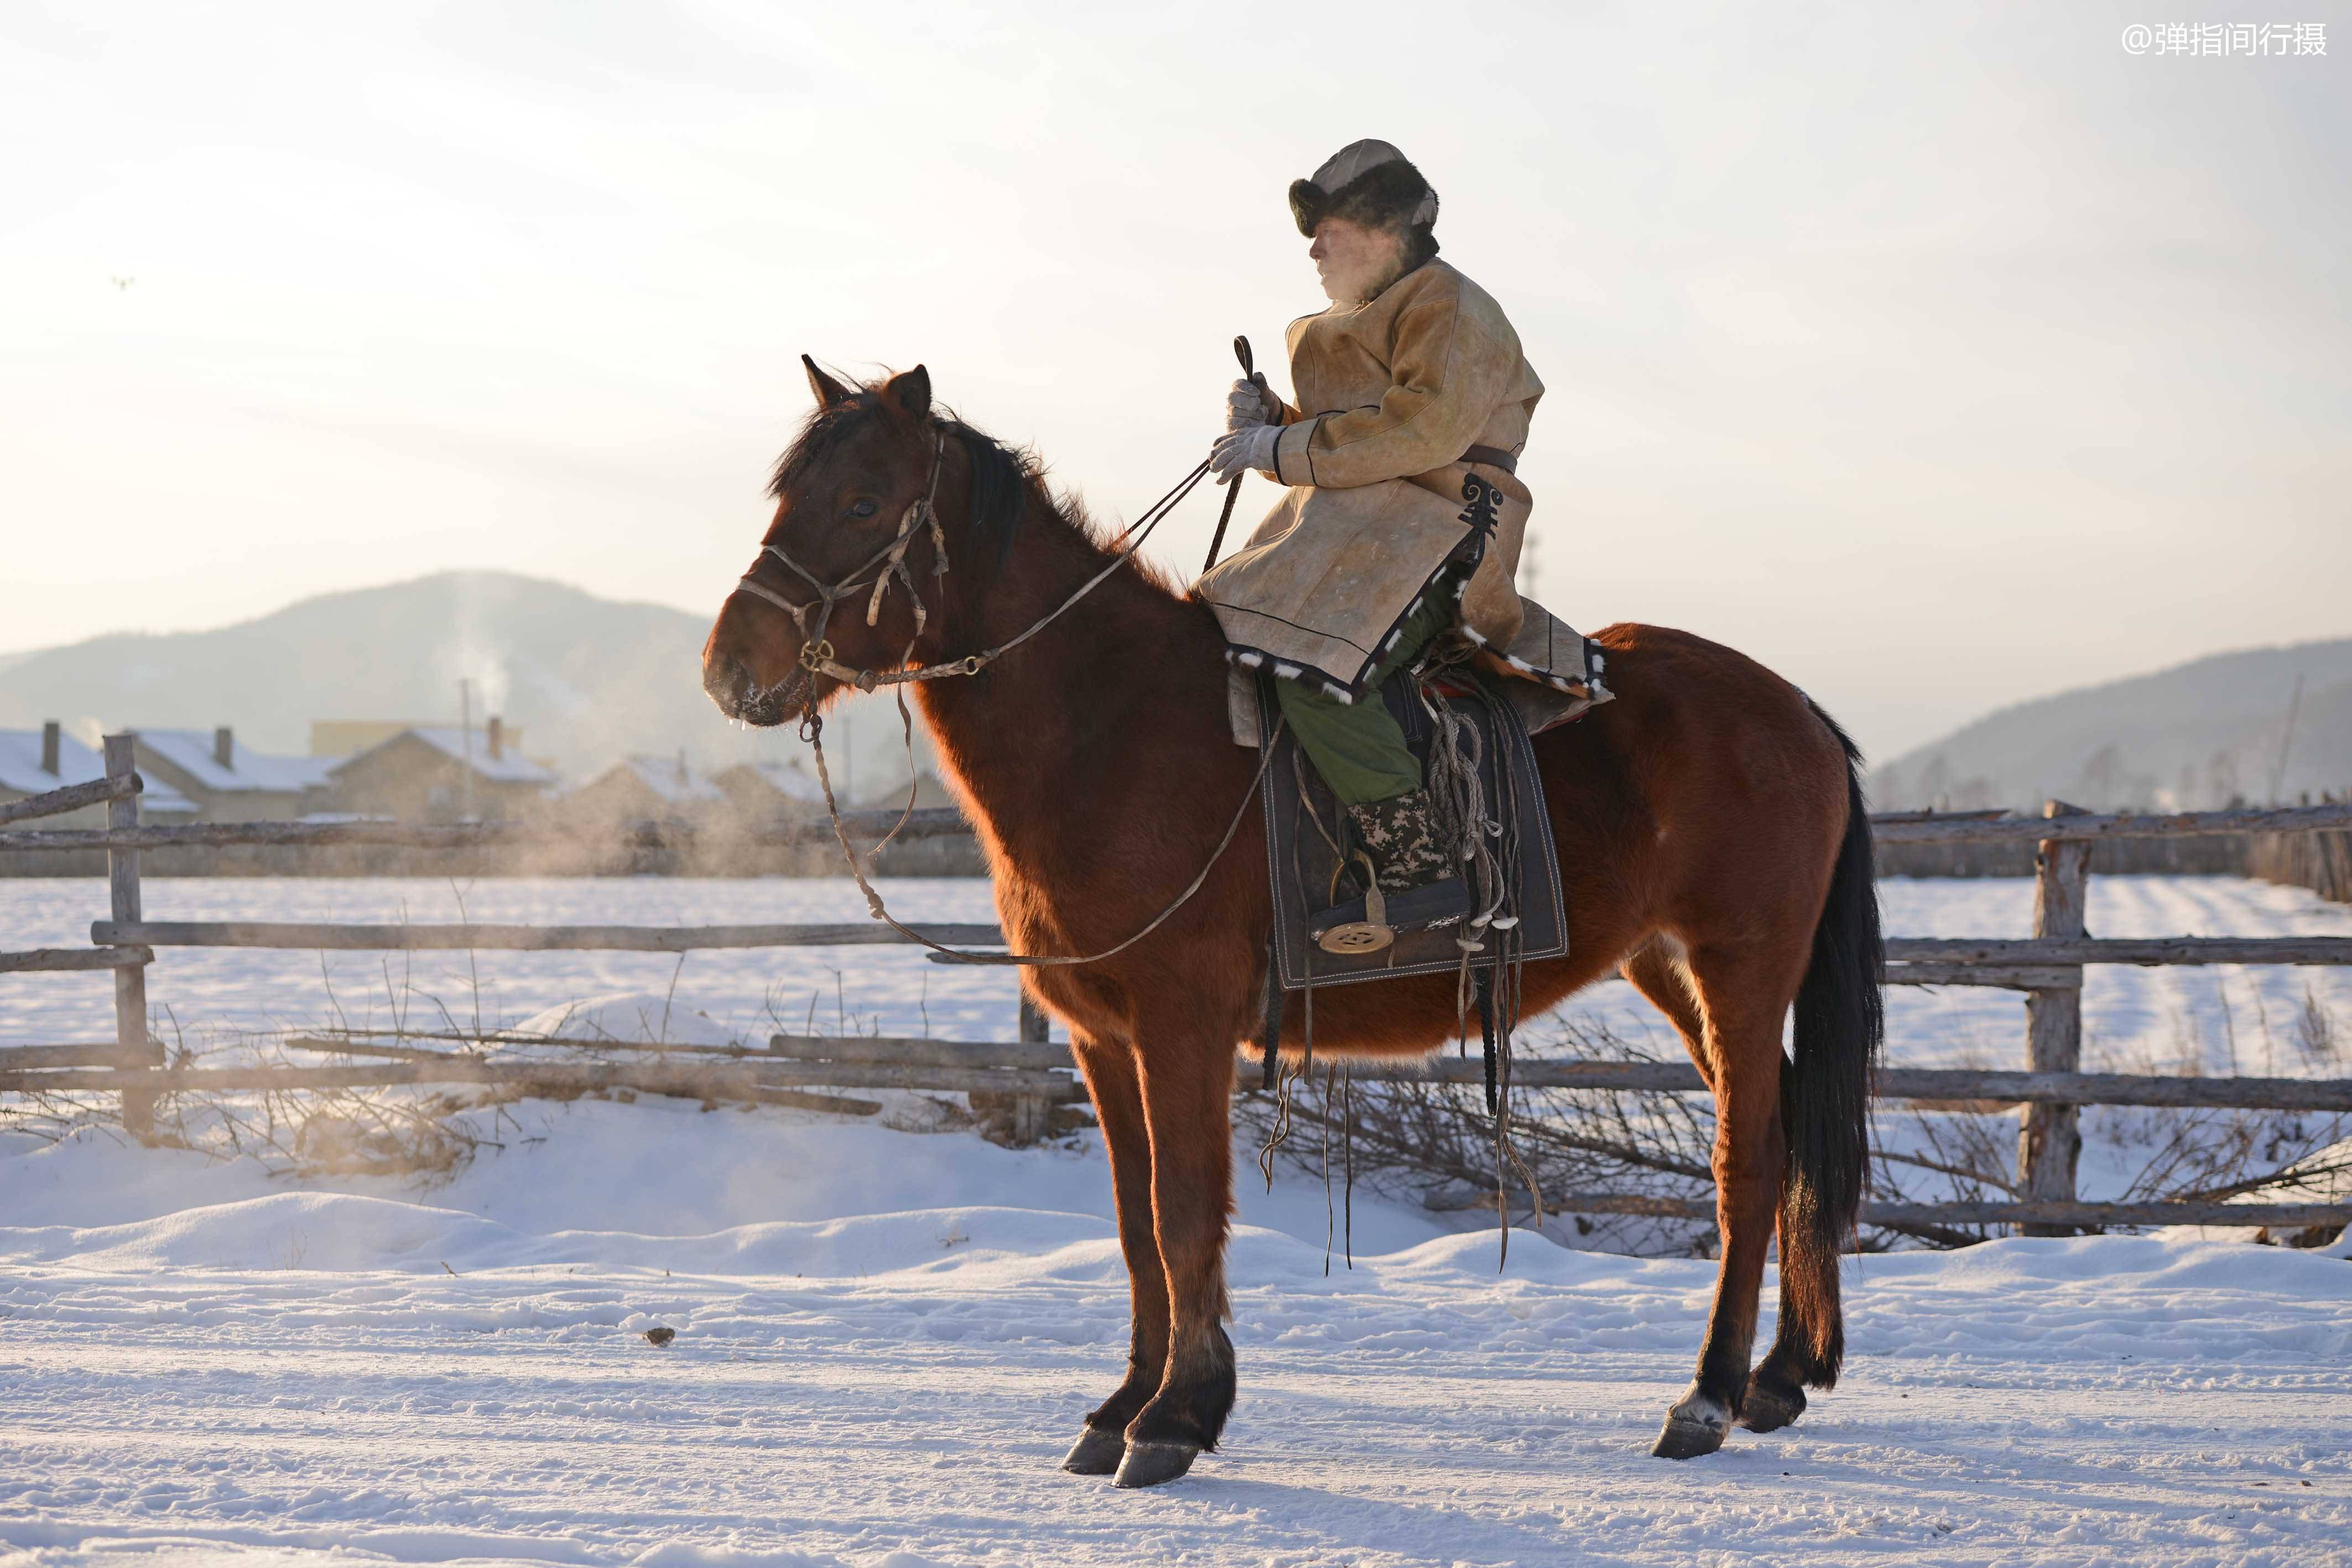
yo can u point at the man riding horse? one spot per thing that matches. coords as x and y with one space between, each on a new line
1413 398
1711 845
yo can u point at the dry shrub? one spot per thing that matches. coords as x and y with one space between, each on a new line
1433 1145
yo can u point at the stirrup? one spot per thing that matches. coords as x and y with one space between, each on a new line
1357 927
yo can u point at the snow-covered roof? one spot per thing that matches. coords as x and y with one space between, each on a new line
509 768
191 751
21 772
789 779
673 784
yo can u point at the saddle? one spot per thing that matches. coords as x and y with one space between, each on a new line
1460 724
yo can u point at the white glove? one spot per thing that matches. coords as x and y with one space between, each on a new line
1250 447
1248 404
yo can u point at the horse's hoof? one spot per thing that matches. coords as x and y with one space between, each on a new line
1684 1439
1769 1409
1096 1453
1149 1464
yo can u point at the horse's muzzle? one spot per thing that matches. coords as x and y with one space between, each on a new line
739 696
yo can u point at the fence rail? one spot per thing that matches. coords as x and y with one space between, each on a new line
699 1081
2074 826
865 823
2027 963
64 958
1024 1080
72 798
863 1062
936 822
309 938
2161 950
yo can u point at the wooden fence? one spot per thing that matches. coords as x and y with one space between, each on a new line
1022 1081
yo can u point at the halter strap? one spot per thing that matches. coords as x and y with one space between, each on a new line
816 651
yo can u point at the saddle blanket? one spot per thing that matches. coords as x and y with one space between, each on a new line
1303 819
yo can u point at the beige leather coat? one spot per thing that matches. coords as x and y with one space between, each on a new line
1390 394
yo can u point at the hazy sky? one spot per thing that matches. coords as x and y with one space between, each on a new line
1938 356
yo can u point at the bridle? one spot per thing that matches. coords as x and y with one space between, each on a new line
817 655
887 563
890 563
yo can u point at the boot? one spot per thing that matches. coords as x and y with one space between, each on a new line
1418 885
1401 835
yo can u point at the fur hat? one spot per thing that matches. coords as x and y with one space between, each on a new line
1368 183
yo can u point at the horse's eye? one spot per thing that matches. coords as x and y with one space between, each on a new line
865 509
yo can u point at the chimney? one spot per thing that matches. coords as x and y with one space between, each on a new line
225 746
496 734
49 732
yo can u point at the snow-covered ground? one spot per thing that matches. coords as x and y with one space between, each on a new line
885 1338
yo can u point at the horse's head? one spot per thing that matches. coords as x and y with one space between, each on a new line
850 511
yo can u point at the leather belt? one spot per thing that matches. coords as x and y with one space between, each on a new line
1493 457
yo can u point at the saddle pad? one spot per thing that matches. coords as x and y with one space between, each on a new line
1299 859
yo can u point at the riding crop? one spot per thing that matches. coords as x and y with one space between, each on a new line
1233 485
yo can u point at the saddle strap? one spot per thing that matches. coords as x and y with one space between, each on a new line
1269 1037
1493 457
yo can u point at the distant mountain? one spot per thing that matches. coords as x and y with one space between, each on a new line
2189 739
590 680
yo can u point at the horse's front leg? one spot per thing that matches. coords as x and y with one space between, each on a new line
1187 1082
1111 1074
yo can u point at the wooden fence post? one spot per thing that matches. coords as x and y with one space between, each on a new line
1032 1115
2050 1137
130 981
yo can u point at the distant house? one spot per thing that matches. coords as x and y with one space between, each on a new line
642 788
771 792
228 782
431 773
928 792
35 761
350 737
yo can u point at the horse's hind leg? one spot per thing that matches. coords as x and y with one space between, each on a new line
1775 1393
1744 994
1188 1102
1656 971
1111 1074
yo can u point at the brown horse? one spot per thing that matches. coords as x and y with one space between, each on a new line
1711 837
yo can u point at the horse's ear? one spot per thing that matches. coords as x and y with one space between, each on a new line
910 390
828 391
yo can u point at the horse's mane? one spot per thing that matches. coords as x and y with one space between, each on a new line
1004 479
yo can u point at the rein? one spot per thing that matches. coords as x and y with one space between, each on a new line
817 657
812 728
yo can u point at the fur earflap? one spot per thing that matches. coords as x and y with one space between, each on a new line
1390 194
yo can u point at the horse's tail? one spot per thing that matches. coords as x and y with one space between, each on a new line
1825 1093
